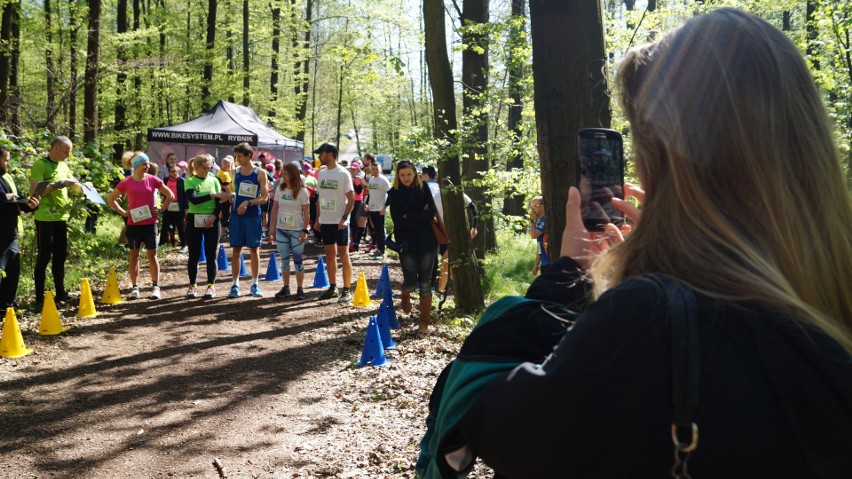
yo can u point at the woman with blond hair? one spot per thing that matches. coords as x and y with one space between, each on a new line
202 192
719 341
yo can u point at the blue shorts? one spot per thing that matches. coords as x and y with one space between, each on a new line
245 231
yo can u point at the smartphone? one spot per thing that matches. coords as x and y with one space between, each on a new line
600 176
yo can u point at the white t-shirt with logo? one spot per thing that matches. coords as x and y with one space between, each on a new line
379 187
439 202
290 212
332 189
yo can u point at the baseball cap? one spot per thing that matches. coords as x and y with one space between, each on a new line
139 159
326 147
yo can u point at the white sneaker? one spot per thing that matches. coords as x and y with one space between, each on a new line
192 292
210 293
134 294
155 292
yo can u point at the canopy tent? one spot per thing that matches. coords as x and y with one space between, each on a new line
217 132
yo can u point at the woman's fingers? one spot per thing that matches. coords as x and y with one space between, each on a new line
628 209
576 241
633 191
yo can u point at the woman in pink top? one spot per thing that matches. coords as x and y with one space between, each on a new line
141 214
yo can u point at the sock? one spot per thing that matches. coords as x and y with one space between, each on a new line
332 286
254 281
155 284
237 282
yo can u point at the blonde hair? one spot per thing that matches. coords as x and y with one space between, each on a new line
744 195
202 159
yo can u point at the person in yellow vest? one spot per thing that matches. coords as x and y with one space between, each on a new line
11 204
52 216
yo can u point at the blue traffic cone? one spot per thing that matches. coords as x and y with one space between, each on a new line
384 282
384 329
390 312
321 276
222 261
373 353
203 257
243 266
272 273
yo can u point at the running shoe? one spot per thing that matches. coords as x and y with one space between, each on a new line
134 294
255 290
155 292
235 292
184 250
345 296
329 293
192 292
284 293
210 293
300 294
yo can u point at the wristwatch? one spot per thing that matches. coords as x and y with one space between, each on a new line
306 231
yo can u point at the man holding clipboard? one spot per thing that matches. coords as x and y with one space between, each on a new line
11 204
141 214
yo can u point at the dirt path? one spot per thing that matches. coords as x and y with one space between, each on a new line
161 388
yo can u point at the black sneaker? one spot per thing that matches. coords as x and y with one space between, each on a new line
65 297
329 293
284 293
300 294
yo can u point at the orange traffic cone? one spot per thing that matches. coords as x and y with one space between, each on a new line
12 342
111 293
87 304
50 323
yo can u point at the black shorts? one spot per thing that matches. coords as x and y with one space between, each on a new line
331 235
137 235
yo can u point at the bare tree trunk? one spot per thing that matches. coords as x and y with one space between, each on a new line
514 202
5 60
48 65
475 85
246 80
229 54
570 93
276 50
811 33
137 81
14 99
462 258
339 106
72 47
121 80
305 66
208 55
90 102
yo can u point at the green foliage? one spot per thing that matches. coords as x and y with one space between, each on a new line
508 271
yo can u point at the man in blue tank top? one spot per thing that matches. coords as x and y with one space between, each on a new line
250 188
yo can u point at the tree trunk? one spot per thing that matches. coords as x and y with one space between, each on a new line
276 48
5 60
514 202
14 99
50 105
463 261
811 34
246 81
475 81
72 53
121 79
339 107
304 65
137 81
229 54
570 93
208 55
90 108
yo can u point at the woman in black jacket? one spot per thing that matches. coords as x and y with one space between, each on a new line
747 218
412 210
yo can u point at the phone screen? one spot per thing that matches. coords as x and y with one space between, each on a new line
600 176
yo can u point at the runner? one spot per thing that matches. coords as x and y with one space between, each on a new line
377 204
203 191
141 214
290 219
250 184
173 215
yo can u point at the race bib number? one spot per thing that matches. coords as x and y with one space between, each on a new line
200 220
328 204
288 221
173 206
141 213
248 189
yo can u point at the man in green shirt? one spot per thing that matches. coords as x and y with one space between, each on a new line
51 218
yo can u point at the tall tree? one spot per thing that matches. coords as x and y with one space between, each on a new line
463 261
514 202
93 49
13 101
474 98
570 93
229 53
5 59
209 54
246 58
48 65
276 51
121 77
74 27
302 68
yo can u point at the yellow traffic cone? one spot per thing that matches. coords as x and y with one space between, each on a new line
362 297
87 304
111 293
50 323
12 343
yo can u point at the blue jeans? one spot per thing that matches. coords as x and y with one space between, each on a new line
417 271
288 241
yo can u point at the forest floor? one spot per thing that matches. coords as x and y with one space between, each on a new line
267 387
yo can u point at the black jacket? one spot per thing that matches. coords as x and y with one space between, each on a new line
9 212
775 397
412 211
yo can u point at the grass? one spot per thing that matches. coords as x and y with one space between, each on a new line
508 271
